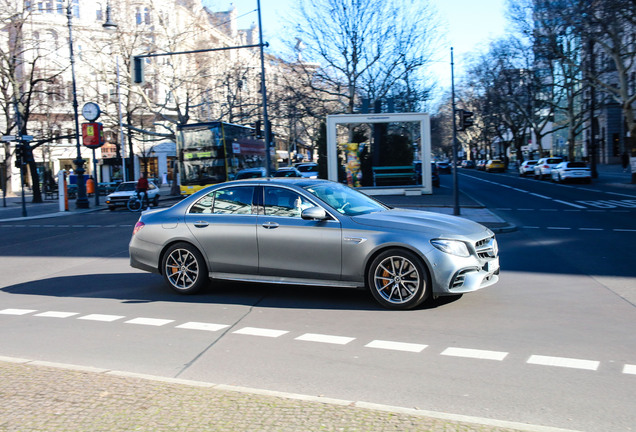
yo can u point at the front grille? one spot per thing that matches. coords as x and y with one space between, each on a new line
487 248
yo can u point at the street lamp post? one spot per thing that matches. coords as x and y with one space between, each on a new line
82 200
111 25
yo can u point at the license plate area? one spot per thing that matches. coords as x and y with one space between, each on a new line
491 266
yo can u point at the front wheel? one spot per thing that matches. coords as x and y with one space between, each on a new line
134 204
184 269
398 280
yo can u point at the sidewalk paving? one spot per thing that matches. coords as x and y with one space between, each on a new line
41 396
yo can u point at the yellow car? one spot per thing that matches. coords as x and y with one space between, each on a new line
495 165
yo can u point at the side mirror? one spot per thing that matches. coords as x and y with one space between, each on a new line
314 213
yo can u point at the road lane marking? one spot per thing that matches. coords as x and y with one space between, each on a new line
396 346
624 230
17 311
570 204
474 353
559 228
313 337
149 321
54 314
629 369
540 196
101 317
202 326
563 362
255 331
591 229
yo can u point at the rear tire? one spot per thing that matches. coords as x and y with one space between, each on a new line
398 280
184 269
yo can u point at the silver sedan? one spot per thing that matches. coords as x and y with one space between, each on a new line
313 232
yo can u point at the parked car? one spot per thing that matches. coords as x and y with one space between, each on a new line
417 166
125 190
444 167
481 165
566 171
468 164
495 165
287 172
248 173
527 167
544 167
313 232
308 169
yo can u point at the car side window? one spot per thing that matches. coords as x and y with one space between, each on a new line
284 202
233 200
204 205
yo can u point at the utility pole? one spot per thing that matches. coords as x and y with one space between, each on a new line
456 210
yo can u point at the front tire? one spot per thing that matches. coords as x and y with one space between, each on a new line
398 280
184 269
134 205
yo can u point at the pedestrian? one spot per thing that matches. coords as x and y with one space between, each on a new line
625 161
142 188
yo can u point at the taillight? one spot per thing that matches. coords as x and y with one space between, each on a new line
138 226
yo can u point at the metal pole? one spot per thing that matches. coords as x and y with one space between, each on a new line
82 200
456 211
95 180
121 126
264 93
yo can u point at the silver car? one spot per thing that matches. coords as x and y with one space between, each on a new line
313 232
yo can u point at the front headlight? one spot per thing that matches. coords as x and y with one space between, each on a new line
453 247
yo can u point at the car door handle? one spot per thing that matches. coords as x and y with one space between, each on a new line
270 225
201 224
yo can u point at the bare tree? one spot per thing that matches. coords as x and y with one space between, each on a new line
365 48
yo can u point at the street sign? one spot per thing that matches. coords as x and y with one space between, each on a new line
8 138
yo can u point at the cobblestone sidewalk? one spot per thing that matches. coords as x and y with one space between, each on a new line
40 398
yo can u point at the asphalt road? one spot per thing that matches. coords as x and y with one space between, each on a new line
551 344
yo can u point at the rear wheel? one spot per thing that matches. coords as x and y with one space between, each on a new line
398 280
184 269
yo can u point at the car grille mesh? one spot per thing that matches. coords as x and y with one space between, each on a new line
486 248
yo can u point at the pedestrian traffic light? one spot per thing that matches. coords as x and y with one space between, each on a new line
138 70
465 119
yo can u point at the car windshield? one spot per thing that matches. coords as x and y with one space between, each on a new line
345 200
127 187
307 168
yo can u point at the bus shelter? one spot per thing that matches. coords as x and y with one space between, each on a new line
383 154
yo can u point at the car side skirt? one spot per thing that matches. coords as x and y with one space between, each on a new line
285 280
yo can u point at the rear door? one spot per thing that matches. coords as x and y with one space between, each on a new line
225 226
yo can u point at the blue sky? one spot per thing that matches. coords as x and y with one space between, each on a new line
465 25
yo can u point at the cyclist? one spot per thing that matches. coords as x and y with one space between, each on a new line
142 188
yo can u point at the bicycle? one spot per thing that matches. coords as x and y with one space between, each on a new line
135 203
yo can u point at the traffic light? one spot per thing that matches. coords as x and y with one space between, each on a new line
19 156
138 70
465 119
257 129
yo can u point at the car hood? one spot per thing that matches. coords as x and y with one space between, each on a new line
436 224
121 194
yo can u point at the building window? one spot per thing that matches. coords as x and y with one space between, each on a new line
138 15
146 16
99 12
76 9
59 7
